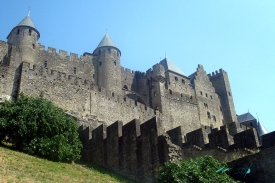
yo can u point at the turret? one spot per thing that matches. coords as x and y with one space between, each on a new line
108 60
25 37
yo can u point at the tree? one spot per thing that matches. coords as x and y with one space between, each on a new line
37 127
199 170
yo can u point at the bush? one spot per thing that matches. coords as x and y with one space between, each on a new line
37 127
199 170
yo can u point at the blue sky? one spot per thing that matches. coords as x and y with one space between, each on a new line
238 36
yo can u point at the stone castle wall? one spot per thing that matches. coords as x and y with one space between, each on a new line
136 150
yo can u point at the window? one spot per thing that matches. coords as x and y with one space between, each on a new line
214 118
176 78
74 70
206 95
208 115
30 32
115 63
183 81
170 91
181 95
211 97
45 64
229 93
93 76
113 94
109 50
33 46
18 31
201 92
205 105
99 63
251 124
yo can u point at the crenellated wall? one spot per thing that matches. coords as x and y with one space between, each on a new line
136 150
82 96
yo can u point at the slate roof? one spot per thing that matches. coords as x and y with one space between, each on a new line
106 41
27 21
168 65
245 117
261 129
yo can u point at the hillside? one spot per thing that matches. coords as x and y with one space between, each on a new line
20 167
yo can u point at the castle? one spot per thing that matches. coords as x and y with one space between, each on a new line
173 111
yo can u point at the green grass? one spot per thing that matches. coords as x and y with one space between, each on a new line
20 167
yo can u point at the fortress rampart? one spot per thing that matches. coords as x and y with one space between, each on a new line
136 150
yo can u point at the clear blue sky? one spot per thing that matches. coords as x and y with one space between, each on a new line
238 36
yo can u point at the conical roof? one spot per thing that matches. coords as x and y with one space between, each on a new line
168 65
27 21
106 41
261 129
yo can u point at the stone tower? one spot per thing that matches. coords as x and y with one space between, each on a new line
108 60
25 38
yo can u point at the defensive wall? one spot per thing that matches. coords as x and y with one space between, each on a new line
82 96
136 150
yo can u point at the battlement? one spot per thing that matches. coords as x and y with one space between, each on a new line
64 54
217 74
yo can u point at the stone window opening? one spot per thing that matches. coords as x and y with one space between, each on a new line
33 46
74 70
99 52
229 93
181 95
125 87
191 97
211 97
18 31
45 64
115 63
176 78
251 124
201 92
135 102
208 115
3 76
113 94
206 95
99 63
214 118
205 105
109 50
30 32
183 81
93 76
170 91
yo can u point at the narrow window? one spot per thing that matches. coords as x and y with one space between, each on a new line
208 115
99 52
183 81
214 118
211 97
93 76
99 63
170 91
201 92
191 97
181 95
30 32
114 63
136 103
206 95
74 70
176 78
113 94
45 64
109 50
229 93
251 124
18 31
33 46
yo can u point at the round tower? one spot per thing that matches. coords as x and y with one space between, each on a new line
108 60
25 37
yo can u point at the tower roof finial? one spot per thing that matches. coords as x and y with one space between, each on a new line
29 11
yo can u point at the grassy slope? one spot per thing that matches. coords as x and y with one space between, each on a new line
20 167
